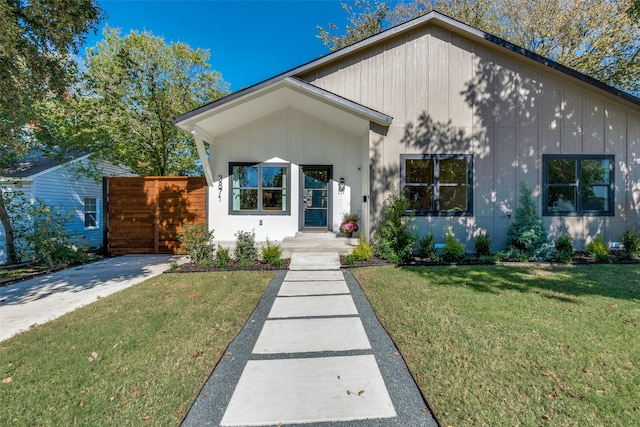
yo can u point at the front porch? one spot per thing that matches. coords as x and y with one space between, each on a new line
325 242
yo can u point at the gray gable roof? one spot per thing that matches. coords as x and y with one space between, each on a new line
35 163
372 40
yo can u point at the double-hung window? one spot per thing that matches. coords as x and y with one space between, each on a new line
436 184
578 185
259 188
90 212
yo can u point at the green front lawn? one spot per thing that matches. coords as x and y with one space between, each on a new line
516 345
138 357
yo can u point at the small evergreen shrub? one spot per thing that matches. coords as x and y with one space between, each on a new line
272 254
564 248
197 242
526 234
349 260
246 252
453 250
394 239
222 257
631 242
488 259
519 256
363 251
598 250
426 246
483 244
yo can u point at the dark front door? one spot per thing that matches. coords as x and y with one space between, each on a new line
315 197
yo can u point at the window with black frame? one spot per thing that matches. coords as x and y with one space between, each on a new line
436 184
578 185
259 188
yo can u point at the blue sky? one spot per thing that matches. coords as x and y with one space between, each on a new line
249 41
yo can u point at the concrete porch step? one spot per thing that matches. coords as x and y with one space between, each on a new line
317 243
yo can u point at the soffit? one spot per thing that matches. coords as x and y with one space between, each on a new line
289 92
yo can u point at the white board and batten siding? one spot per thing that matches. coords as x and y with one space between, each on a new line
511 111
285 136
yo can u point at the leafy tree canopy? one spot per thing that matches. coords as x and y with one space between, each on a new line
37 41
133 87
600 38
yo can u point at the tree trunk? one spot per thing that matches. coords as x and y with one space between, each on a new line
8 232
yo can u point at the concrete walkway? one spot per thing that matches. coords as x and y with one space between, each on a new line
312 353
44 298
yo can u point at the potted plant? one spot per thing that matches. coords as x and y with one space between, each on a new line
349 224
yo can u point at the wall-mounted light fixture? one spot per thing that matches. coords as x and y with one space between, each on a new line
341 186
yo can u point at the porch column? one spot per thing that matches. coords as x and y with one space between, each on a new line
202 153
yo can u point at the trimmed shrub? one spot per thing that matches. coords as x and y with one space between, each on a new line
453 250
272 254
483 244
363 251
598 250
488 259
197 242
631 242
246 252
222 257
526 234
393 237
427 246
564 248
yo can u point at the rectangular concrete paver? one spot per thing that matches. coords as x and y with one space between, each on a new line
325 389
309 335
323 305
313 288
314 261
301 276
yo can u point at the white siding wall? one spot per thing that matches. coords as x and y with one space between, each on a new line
510 110
287 136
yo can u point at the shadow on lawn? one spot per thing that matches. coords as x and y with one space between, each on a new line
563 283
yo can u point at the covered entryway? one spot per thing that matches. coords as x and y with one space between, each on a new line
145 214
316 198
293 124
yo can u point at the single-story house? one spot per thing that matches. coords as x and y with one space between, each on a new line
67 184
453 117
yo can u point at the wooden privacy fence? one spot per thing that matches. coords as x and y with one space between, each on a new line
144 214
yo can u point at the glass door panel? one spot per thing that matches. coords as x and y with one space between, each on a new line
315 197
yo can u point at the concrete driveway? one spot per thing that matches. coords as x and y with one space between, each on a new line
39 300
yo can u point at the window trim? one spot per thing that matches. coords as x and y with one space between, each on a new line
85 211
260 210
546 158
436 186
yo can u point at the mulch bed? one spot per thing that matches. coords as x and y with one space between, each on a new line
232 266
580 258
